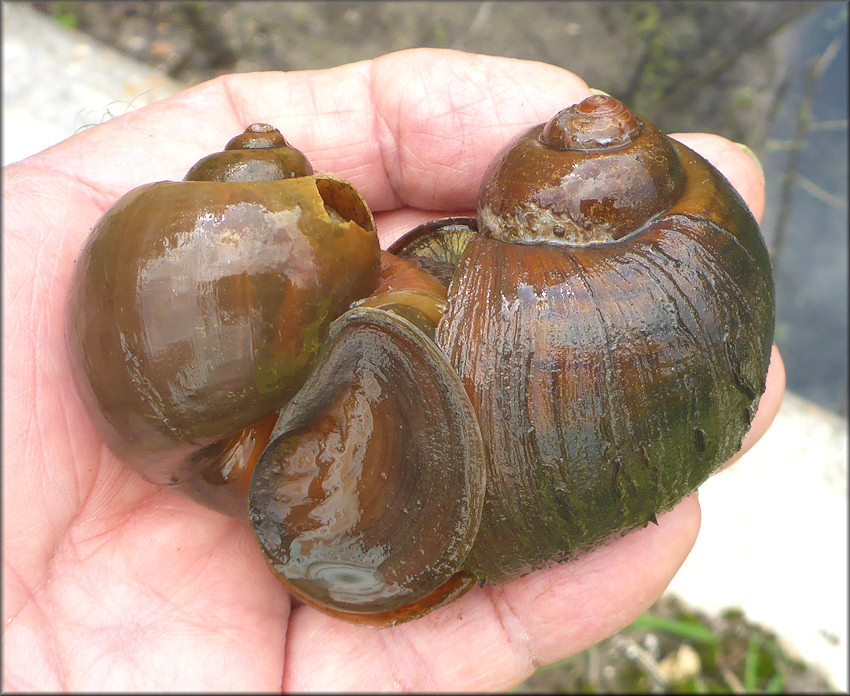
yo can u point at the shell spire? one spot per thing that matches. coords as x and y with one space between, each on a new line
597 123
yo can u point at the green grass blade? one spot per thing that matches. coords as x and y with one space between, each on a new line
751 664
689 630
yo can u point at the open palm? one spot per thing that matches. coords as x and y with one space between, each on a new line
113 584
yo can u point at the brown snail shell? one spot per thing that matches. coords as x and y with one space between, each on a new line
612 324
197 308
368 498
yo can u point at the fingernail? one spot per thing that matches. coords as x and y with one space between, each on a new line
599 91
752 156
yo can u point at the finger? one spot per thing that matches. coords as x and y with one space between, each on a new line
410 128
443 115
433 120
494 637
736 163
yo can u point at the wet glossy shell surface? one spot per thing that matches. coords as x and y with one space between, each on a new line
369 497
199 307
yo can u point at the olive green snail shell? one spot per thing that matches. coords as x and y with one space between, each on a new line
611 321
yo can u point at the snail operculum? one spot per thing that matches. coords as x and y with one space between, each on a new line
437 246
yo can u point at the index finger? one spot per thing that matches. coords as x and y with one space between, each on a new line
412 128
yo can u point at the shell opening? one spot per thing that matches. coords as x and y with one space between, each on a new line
342 198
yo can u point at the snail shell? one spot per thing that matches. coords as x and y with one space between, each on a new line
198 308
612 324
368 497
207 325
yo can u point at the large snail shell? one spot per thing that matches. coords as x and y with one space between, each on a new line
612 325
199 307
368 497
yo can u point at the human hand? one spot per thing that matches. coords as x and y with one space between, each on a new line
114 584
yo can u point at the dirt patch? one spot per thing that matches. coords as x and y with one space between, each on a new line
675 649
